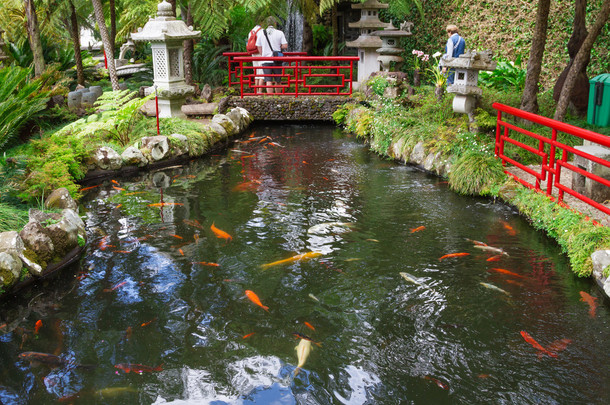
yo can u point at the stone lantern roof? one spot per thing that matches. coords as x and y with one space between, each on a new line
164 27
370 4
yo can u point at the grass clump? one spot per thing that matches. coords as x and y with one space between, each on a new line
476 173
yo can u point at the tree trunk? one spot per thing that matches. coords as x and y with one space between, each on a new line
582 57
335 28
74 32
34 37
189 47
99 16
307 37
579 99
173 3
112 26
529 100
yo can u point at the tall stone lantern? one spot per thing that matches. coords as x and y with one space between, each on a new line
390 51
366 43
166 33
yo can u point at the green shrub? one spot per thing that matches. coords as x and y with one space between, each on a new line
475 173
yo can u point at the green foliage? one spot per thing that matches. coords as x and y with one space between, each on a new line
208 63
474 173
21 101
577 236
378 84
340 115
506 76
81 241
12 217
118 113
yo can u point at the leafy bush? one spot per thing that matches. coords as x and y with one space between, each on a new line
506 76
21 100
378 84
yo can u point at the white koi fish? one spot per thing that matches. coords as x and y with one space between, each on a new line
409 278
493 287
303 350
488 248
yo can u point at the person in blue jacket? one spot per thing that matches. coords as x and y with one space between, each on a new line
456 45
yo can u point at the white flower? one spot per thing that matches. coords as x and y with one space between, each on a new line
436 55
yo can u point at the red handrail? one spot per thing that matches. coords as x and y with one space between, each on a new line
551 166
294 74
232 65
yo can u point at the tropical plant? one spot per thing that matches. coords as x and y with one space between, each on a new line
21 100
207 63
507 75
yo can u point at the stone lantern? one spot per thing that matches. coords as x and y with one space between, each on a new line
166 33
465 84
3 57
390 51
366 43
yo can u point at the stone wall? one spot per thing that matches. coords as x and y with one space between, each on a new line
284 108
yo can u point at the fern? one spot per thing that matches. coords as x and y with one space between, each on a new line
118 111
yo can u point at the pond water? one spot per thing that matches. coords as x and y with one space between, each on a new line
161 293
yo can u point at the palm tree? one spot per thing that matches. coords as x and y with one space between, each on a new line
99 16
34 36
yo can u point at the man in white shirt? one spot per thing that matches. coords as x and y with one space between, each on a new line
275 40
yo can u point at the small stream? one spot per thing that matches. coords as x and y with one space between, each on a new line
486 309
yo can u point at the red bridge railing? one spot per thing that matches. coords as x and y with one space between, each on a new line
299 75
234 65
554 155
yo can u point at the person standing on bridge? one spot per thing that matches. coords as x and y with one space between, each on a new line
271 40
253 49
456 45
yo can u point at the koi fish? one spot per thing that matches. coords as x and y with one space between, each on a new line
303 349
164 204
303 336
409 278
509 229
207 264
177 236
50 360
118 188
493 287
115 182
296 258
529 339
372 240
310 326
137 368
118 206
510 273
313 297
589 300
220 234
495 258
88 188
438 382
492 249
119 285
248 335
453 255
254 298
122 251
193 223
148 322
476 242
419 228
104 243
558 345
37 327
326 226
181 252
514 282
247 186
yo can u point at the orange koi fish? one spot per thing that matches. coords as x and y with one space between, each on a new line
589 300
248 335
119 285
207 264
514 282
37 327
438 382
303 336
193 223
529 339
310 326
302 256
453 255
476 242
164 204
181 252
118 206
510 273
115 182
177 236
220 233
509 229
122 251
558 345
247 186
483 376
104 243
137 368
419 228
148 323
254 298
88 188
118 188
495 258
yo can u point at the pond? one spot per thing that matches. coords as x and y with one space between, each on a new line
192 290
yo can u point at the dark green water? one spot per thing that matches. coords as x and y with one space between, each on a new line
139 295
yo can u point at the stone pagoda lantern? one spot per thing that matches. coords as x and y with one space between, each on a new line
390 51
465 84
366 43
3 57
166 33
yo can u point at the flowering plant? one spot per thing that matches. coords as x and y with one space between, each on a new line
419 55
440 78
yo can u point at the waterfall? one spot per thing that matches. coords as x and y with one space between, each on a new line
294 27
